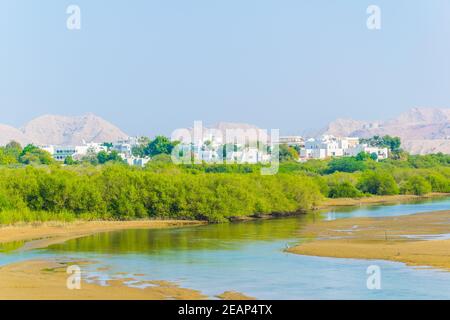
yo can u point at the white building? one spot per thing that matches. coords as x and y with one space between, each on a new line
325 147
89 148
329 146
60 153
211 152
135 161
292 140
382 153
123 147
126 146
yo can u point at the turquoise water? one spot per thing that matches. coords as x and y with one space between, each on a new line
248 258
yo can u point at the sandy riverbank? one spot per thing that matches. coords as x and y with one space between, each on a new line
382 238
390 199
46 280
41 235
233 295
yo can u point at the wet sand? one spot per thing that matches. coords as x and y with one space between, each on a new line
344 202
46 280
232 295
386 238
42 235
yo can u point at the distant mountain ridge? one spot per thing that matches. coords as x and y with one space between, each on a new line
8 133
422 130
62 130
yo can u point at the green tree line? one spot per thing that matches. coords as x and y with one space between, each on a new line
117 191
34 187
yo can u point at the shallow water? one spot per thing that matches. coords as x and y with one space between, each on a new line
444 236
390 210
248 257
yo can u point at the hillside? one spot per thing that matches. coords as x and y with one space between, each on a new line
422 130
8 133
62 130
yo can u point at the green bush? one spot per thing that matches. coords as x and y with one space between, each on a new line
416 185
346 164
38 192
378 183
120 192
438 182
344 190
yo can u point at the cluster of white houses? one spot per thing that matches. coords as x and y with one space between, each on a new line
124 148
326 146
329 146
211 150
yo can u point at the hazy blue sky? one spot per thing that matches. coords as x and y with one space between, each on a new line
153 66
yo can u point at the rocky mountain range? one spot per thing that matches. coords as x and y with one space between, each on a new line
62 130
422 130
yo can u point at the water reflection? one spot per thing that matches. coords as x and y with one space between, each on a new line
10 247
248 257
390 210
228 236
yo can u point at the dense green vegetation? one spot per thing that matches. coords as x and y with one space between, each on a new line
13 153
120 192
159 145
33 187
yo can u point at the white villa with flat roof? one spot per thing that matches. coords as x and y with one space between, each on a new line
328 146
60 153
292 140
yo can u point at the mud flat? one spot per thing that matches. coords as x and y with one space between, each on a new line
417 240
232 295
344 202
42 280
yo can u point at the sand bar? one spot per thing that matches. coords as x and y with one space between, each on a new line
390 199
387 238
46 280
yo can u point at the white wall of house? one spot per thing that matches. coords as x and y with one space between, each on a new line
292 140
382 153
135 161
122 148
329 146
88 148
60 153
